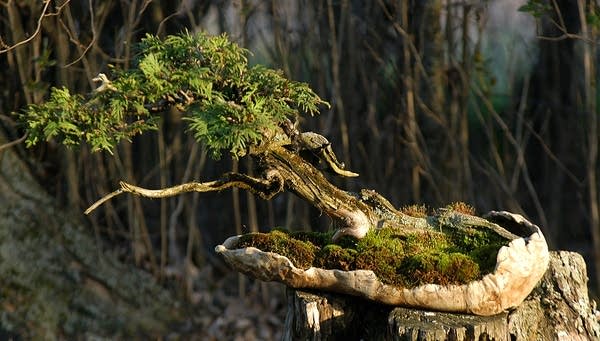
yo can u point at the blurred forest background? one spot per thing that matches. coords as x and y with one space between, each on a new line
433 101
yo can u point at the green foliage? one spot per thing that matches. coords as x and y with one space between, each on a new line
593 18
228 104
536 8
71 119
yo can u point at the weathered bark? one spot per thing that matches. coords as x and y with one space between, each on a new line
407 324
353 213
283 168
558 309
325 316
55 280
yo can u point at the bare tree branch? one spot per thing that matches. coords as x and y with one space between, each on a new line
265 188
94 35
37 30
13 143
562 27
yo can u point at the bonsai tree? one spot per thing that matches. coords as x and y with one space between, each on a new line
243 110
230 107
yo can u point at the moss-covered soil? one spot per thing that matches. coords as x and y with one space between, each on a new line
455 256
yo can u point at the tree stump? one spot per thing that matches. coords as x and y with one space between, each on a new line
557 309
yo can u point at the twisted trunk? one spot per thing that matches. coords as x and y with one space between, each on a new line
353 213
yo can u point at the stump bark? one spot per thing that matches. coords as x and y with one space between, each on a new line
558 309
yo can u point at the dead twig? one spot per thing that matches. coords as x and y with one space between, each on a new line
35 33
266 188
94 36
13 143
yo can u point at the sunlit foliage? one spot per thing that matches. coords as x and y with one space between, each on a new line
229 105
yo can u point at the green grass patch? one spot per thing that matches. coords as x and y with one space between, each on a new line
456 256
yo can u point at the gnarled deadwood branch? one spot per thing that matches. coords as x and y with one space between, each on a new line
265 188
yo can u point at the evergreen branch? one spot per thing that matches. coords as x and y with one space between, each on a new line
228 104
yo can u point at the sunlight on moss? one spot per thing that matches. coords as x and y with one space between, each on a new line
301 253
417 211
461 207
455 256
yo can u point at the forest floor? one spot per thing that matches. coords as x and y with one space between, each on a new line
224 312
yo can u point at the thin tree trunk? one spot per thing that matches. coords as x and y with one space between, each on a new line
589 71
411 119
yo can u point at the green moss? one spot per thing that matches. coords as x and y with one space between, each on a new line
333 256
313 238
485 256
439 267
454 256
301 253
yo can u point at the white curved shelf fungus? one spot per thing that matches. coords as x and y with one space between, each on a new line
519 267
